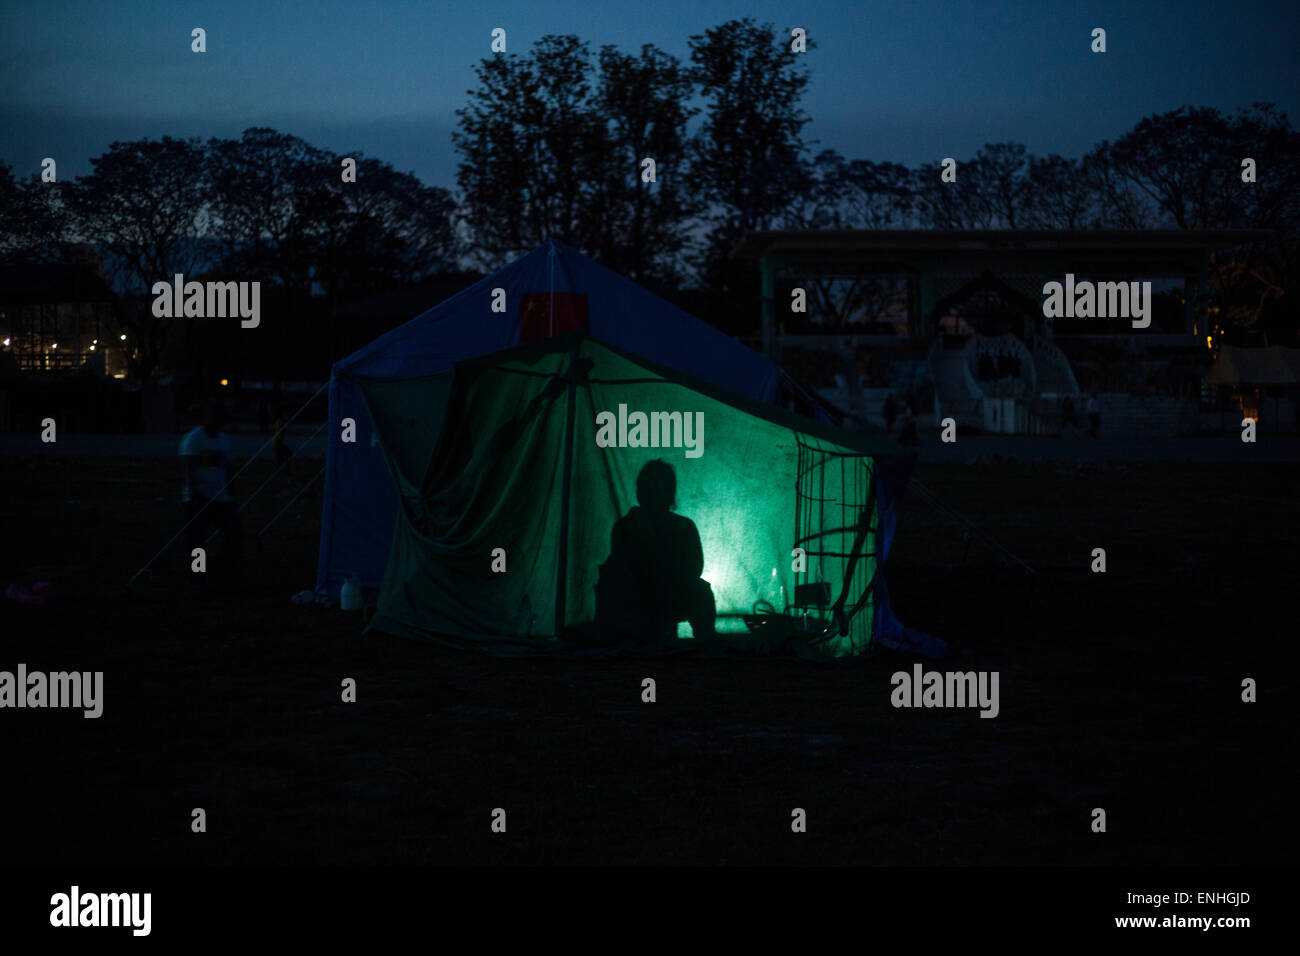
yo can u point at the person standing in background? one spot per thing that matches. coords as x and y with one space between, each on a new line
205 458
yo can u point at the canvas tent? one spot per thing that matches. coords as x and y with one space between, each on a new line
548 291
544 293
523 461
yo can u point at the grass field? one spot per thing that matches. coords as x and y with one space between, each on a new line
1118 690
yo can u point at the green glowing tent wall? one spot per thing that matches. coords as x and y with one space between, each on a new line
479 457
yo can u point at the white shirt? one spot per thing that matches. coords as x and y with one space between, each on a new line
213 456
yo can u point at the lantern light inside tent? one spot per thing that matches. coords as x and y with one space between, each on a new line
225 382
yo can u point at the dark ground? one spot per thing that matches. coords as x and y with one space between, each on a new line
1119 690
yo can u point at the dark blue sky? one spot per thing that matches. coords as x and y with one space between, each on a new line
904 80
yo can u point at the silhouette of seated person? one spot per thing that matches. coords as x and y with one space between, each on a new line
651 579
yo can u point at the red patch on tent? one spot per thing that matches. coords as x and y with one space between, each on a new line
535 314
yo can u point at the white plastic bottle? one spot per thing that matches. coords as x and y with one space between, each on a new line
350 594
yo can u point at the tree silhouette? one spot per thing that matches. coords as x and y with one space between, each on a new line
750 166
551 146
638 228
526 138
33 219
143 205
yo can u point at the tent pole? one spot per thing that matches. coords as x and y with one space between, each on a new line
562 573
550 258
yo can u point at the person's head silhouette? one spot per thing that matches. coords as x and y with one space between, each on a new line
656 486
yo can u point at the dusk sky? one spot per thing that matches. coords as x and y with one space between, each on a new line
902 80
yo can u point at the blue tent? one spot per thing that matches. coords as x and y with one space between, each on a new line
551 290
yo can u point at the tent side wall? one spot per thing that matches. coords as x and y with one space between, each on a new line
360 501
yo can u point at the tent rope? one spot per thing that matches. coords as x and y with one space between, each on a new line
271 477
172 540
812 398
969 527
307 485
